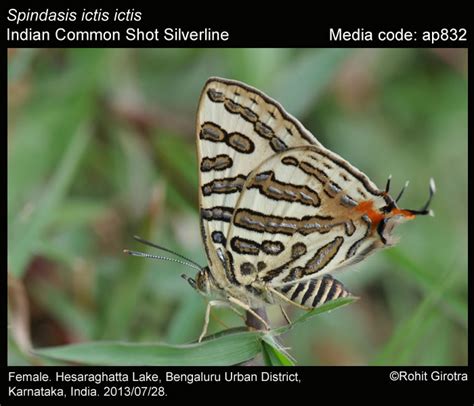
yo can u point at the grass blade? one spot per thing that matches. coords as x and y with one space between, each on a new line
28 233
408 333
430 283
228 349
274 354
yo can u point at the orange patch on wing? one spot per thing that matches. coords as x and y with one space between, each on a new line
367 207
375 216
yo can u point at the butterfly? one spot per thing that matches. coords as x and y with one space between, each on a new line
280 213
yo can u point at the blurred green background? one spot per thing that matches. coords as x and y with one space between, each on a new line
101 147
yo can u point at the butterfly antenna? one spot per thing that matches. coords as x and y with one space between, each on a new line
387 186
146 242
144 255
425 209
401 191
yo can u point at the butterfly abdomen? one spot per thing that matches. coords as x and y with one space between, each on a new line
313 292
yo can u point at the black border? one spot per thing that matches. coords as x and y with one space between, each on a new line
309 30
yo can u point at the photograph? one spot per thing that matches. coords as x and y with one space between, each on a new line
237 207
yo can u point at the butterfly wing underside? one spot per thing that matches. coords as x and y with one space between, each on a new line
238 127
278 210
296 222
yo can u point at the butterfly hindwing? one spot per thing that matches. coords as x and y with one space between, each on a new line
296 218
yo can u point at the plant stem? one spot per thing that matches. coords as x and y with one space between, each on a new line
253 323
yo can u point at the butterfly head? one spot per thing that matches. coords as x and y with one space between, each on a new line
202 281
392 215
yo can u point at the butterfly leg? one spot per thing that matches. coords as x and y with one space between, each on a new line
212 303
285 299
285 315
247 308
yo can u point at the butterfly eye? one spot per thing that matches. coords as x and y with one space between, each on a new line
202 283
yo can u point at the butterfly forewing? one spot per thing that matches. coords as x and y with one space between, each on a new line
238 127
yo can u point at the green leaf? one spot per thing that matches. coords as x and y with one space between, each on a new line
228 349
274 354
